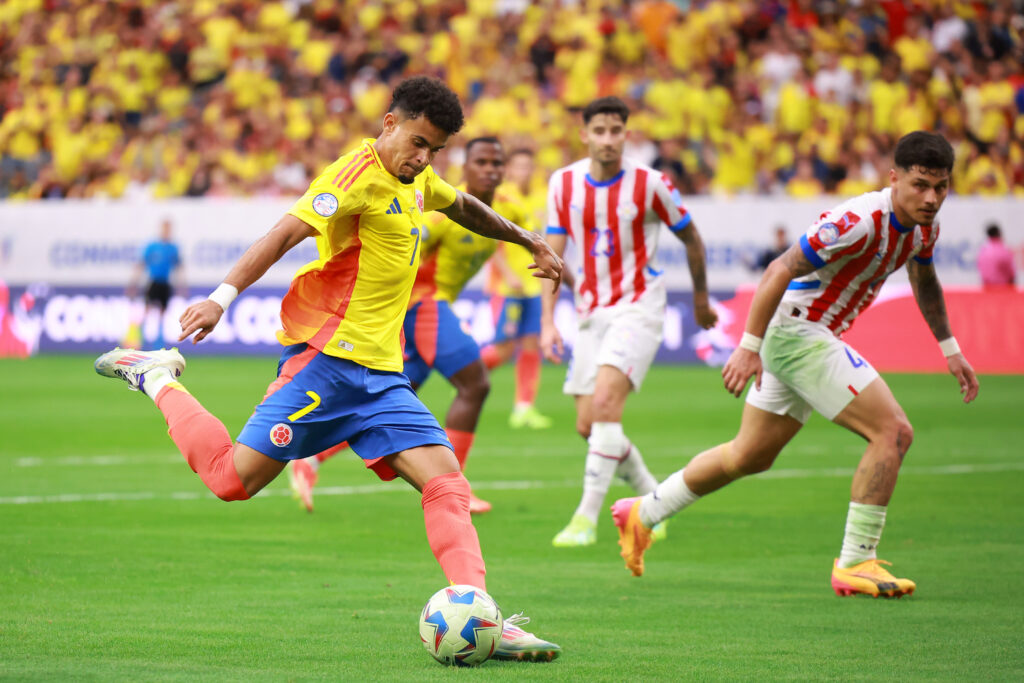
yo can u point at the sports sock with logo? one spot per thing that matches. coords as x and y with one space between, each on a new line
450 531
863 530
668 498
605 448
202 439
633 470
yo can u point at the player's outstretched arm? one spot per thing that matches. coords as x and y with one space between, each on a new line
702 311
200 318
745 361
930 300
551 344
473 214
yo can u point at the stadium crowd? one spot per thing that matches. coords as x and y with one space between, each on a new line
154 99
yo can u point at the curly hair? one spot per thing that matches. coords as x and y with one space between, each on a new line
924 149
430 97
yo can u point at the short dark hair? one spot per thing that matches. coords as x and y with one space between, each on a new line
924 149
993 230
606 105
430 97
489 139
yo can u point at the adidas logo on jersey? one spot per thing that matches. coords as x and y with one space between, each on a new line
395 207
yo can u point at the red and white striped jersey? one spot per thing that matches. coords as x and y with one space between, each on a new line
855 246
615 225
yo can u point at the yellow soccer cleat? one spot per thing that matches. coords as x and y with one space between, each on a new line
579 532
528 417
869 578
634 537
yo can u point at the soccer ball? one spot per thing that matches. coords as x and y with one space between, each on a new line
461 626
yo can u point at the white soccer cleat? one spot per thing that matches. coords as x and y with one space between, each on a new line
132 366
519 645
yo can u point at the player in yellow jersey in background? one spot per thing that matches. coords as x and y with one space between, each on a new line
340 375
516 299
434 338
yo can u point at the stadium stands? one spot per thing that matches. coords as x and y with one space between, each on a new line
150 99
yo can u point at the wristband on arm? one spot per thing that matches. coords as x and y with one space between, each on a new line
223 295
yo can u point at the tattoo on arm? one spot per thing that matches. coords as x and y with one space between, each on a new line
794 259
928 293
695 257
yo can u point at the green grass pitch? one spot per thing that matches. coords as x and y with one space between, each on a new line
116 564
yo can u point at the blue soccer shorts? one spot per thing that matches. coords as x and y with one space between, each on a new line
517 317
319 401
435 340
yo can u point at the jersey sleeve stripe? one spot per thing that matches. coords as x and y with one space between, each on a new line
359 172
923 261
344 169
556 230
809 252
349 169
682 223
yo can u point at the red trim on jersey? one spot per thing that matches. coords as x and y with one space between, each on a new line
841 280
615 243
863 288
852 390
639 245
563 208
343 268
589 230
347 167
359 172
660 209
291 367
425 332
904 253
425 285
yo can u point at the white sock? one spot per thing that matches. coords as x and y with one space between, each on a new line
670 496
633 470
155 380
863 529
605 446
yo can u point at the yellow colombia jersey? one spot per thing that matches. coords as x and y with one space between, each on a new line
351 301
452 254
517 257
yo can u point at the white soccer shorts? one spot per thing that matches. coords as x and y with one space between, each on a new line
625 336
807 367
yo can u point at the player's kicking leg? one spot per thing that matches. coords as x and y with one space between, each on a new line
761 437
875 415
434 471
230 471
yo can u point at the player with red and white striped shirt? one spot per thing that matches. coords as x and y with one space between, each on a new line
613 210
806 299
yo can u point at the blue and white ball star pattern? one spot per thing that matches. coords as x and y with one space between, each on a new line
461 626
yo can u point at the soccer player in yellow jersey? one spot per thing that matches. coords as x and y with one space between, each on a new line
434 338
340 375
516 301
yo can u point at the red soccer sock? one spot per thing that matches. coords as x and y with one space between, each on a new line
527 376
450 532
330 452
203 440
461 443
490 356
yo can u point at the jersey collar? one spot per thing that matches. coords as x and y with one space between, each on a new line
606 183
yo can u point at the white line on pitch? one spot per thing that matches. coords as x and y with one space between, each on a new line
940 470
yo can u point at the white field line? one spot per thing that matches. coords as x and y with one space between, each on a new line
937 470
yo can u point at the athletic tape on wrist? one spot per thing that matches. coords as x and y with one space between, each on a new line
949 347
751 342
223 295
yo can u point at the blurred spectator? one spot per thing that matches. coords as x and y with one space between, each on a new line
995 260
778 247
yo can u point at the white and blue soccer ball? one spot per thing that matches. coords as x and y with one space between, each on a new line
461 626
